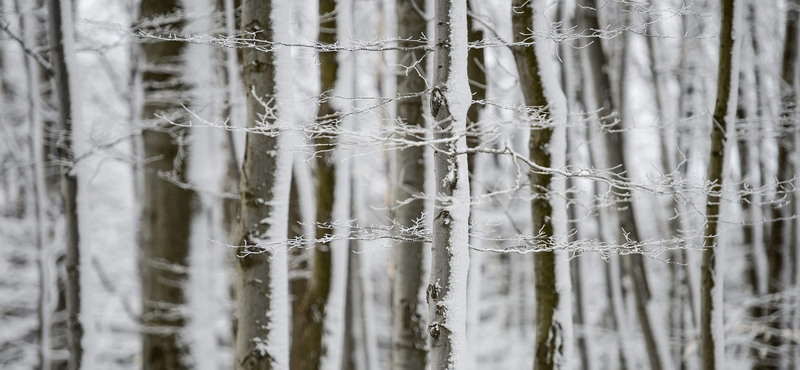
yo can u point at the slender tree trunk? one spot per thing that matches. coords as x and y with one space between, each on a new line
749 152
606 218
308 348
226 71
781 235
299 257
692 102
761 109
41 203
615 142
553 335
62 48
49 104
359 353
262 335
450 98
50 135
570 78
712 343
477 82
676 221
227 66
409 334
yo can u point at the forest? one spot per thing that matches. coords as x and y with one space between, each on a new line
399 184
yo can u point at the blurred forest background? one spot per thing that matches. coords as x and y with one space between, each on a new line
307 184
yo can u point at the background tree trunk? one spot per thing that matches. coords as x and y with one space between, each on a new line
409 334
476 73
552 336
712 343
781 240
61 49
167 207
308 331
615 143
47 275
359 352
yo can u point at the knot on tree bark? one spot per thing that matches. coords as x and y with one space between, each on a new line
438 101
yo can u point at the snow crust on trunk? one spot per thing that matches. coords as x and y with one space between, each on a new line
207 289
456 93
559 113
278 339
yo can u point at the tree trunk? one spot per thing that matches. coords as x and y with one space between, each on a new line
450 98
226 72
782 224
61 49
570 80
167 207
41 202
553 335
299 257
712 344
748 146
614 141
227 66
359 352
308 348
669 157
262 301
409 336
477 82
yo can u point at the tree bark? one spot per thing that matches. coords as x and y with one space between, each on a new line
570 80
477 82
62 48
308 348
669 163
262 333
409 334
359 352
47 275
749 152
227 66
450 98
781 240
712 345
615 142
551 346
167 207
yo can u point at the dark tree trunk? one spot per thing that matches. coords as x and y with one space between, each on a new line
551 336
712 347
262 333
409 334
309 322
166 207
59 47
